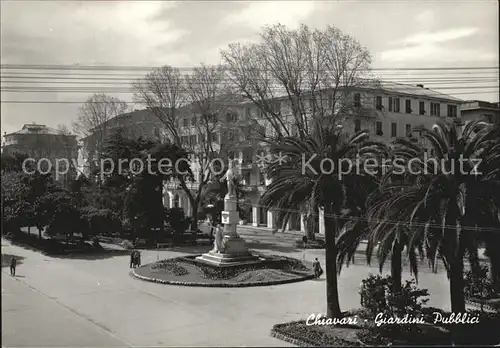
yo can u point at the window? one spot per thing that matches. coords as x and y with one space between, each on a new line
452 111
193 121
261 113
185 122
192 139
379 128
246 178
230 154
248 113
184 139
157 132
247 155
357 125
394 129
408 106
277 107
397 105
262 178
408 129
421 108
357 100
311 103
435 109
390 103
231 116
330 101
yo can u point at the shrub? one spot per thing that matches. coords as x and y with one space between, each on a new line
176 221
377 296
478 284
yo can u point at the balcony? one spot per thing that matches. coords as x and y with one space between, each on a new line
249 188
177 186
365 112
246 165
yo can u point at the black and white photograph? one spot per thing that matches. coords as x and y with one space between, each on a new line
250 173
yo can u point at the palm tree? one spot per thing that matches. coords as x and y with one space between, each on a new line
304 175
374 223
440 201
488 193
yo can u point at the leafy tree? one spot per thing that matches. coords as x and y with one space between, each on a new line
14 162
136 193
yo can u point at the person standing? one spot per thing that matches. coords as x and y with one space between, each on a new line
13 264
132 261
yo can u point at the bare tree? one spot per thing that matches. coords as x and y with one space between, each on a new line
301 80
163 91
312 72
191 107
93 121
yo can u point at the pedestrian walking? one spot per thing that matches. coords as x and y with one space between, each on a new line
13 264
318 271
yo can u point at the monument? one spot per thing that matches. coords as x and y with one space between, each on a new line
229 248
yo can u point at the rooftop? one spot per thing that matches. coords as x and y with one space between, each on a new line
34 128
480 104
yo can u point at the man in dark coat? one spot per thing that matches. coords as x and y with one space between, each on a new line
13 264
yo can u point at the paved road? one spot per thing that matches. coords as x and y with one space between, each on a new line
71 302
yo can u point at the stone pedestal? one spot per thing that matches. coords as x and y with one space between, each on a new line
234 252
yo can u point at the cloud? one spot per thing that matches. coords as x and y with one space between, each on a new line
440 36
430 52
257 14
112 33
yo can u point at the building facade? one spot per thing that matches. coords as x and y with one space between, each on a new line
386 110
480 110
42 142
135 124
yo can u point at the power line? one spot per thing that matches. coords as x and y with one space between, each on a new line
82 102
181 68
125 90
126 81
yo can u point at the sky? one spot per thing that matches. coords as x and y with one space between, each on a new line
399 34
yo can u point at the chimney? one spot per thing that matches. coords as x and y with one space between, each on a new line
421 86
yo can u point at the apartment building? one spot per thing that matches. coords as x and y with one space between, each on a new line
137 123
387 110
480 110
42 142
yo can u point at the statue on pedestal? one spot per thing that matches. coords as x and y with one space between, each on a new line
229 176
218 247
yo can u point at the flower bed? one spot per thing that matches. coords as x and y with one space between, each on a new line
170 267
187 271
298 333
224 273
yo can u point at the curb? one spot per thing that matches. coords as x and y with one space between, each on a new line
221 285
285 338
476 304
